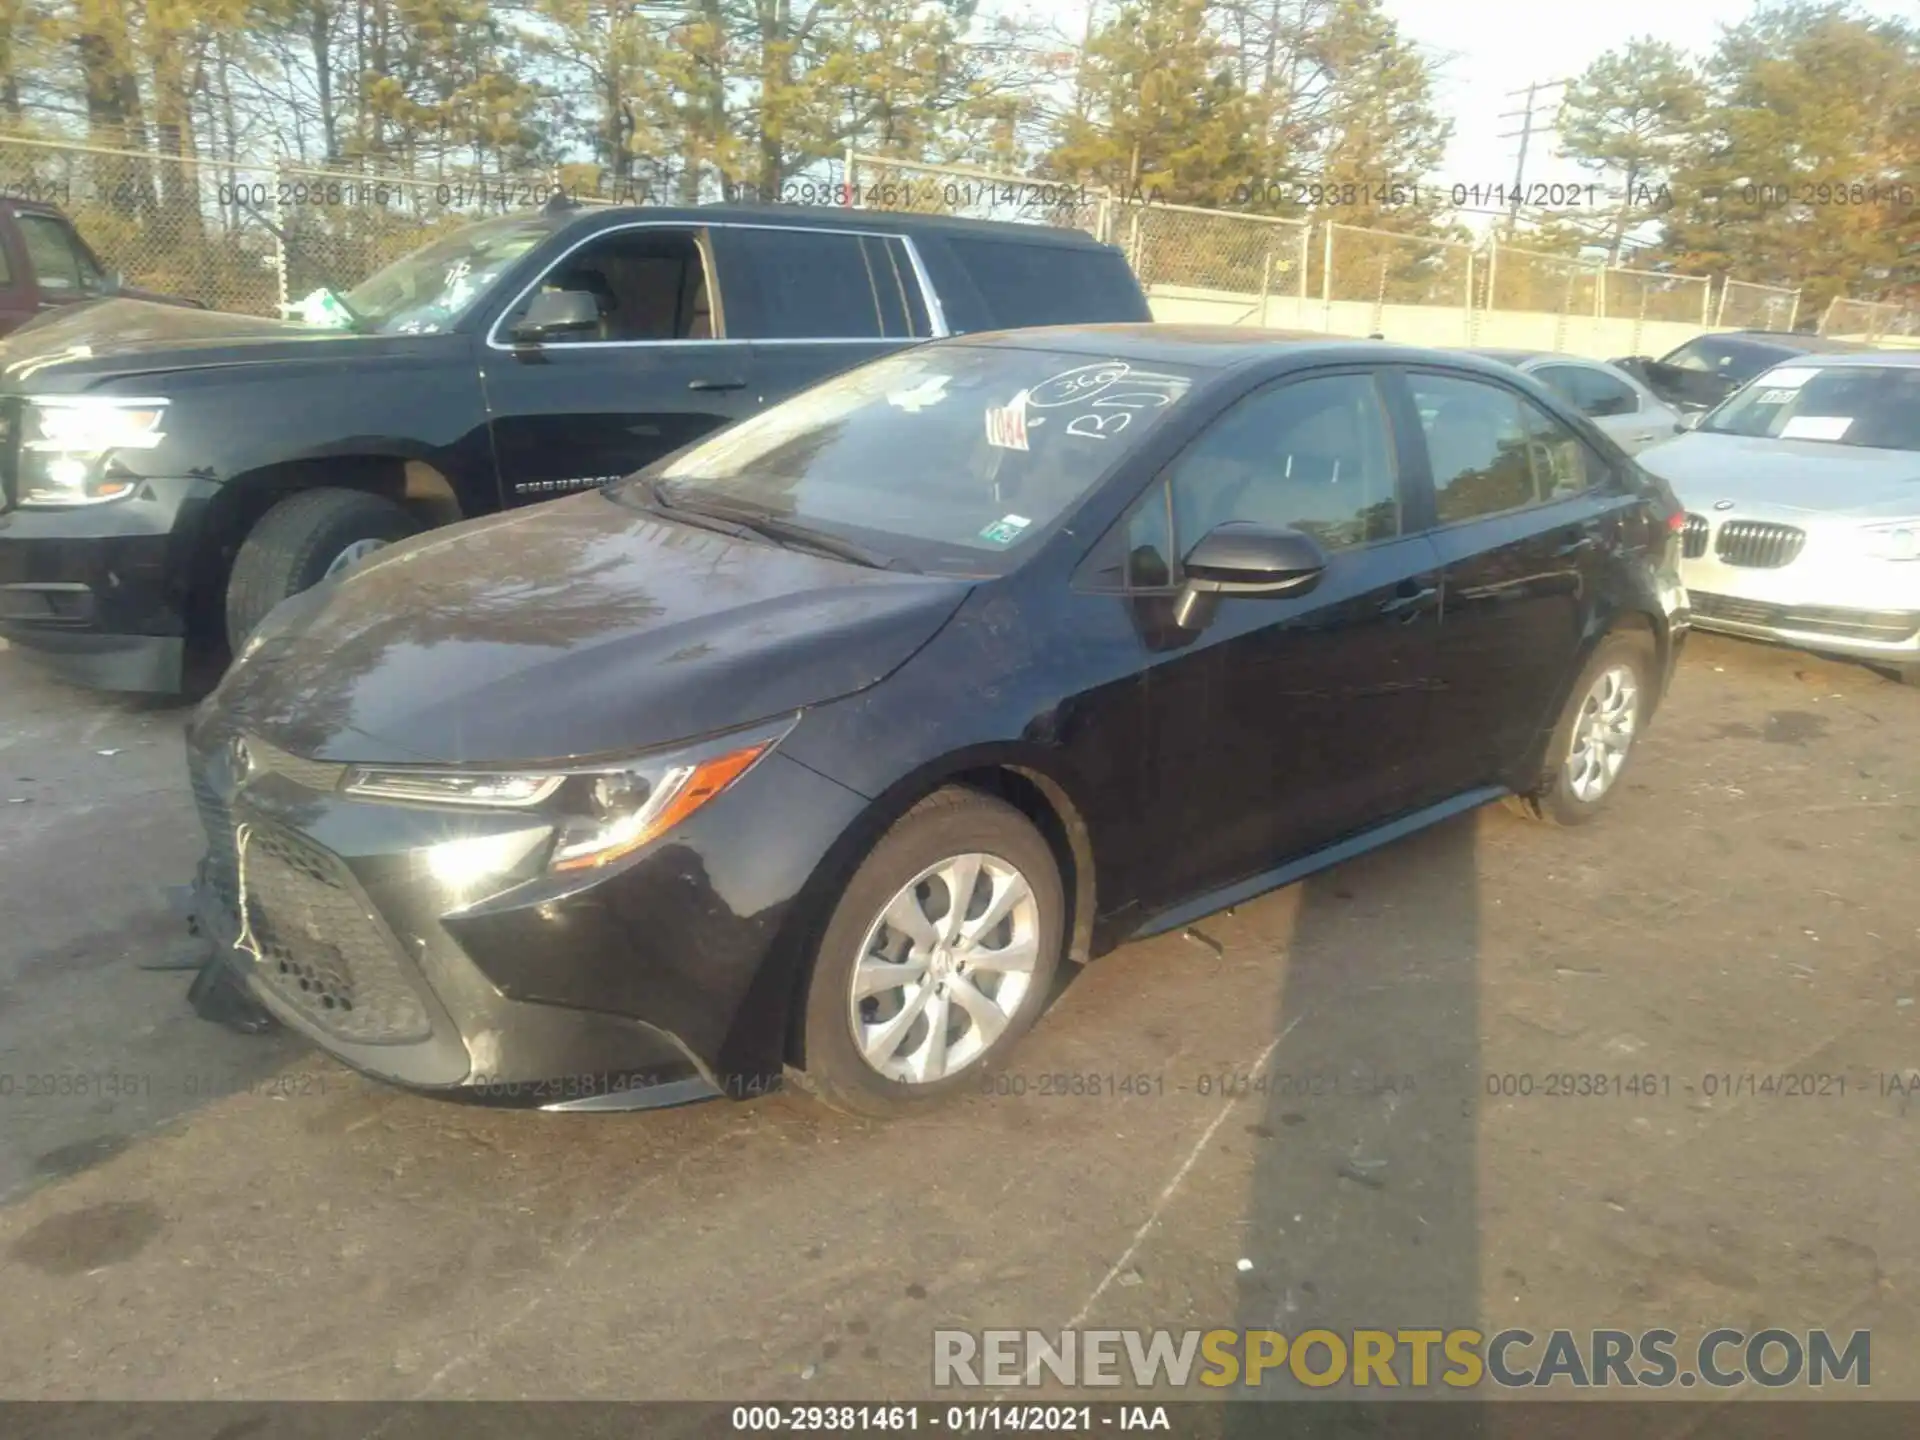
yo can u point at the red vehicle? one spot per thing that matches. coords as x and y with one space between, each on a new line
44 264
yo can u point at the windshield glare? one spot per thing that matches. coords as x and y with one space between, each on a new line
953 455
429 290
1874 406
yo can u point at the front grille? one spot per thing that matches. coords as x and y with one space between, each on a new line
1759 544
1885 626
322 948
1693 539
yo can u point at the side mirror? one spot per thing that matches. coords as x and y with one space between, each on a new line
558 312
1241 558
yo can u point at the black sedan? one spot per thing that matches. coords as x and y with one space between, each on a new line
813 750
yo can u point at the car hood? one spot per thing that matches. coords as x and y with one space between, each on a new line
580 627
78 345
1787 475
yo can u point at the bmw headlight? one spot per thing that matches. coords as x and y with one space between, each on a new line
1899 541
71 442
599 813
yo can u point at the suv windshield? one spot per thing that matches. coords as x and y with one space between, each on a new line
432 288
1876 406
951 456
1735 360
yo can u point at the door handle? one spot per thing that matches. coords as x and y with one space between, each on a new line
1585 539
716 385
1409 600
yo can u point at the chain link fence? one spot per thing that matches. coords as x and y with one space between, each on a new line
253 236
1868 320
1745 305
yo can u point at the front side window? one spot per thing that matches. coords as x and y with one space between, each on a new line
1734 361
1312 455
957 457
1874 406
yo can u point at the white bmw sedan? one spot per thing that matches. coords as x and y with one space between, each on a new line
1802 493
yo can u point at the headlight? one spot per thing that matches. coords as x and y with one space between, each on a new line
599 813
71 441
1899 541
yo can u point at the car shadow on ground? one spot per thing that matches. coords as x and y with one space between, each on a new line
1362 1211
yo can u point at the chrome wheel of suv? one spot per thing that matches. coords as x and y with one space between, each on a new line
1603 732
944 968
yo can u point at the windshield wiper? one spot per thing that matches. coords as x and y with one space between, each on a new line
789 534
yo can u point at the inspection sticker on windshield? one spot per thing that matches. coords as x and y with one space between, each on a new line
1815 427
1006 529
1007 425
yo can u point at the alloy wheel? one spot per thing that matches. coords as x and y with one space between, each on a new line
944 968
1603 733
353 555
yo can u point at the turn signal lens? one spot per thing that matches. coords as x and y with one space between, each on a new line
634 816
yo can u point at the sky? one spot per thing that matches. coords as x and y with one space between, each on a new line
1486 49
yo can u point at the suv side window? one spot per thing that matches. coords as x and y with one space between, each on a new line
1028 284
825 285
57 262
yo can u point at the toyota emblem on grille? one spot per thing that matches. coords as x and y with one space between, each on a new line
1723 504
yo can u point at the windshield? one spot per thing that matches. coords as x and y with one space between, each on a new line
1876 406
432 288
1737 361
952 456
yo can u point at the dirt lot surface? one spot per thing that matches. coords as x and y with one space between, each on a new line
237 1217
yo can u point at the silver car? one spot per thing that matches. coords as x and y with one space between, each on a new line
1632 415
1802 493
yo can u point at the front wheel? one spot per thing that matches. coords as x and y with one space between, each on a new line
940 954
1596 734
309 537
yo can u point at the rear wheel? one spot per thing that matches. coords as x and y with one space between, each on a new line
940 954
309 537
1596 734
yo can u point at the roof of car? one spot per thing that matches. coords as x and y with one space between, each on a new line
829 217
1790 340
1904 359
1207 346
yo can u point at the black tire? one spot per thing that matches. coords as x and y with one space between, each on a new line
949 823
295 542
1554 798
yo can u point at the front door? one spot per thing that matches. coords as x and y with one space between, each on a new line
659 372
1287 722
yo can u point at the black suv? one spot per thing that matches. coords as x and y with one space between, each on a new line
168 476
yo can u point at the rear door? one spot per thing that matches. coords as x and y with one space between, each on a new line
1525 518
815 301
1286 722
662 371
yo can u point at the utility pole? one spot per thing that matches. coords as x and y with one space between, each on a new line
1533 93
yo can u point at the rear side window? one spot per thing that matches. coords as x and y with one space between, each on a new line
1593 392
823 285
1477 442
1049 284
